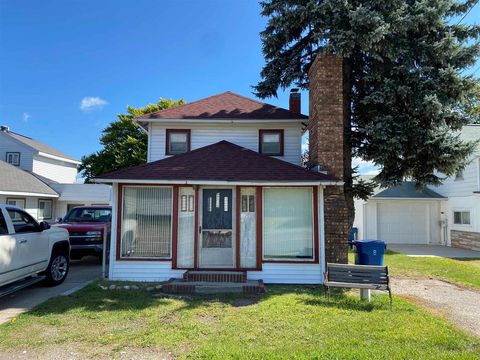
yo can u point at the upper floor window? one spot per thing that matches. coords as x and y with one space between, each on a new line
271 142
178 141
13 158
461 217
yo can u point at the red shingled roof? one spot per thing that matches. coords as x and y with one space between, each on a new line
222 161
224 106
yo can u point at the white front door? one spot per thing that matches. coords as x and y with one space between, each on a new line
216 243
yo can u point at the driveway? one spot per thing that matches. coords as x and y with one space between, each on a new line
434 250
80 274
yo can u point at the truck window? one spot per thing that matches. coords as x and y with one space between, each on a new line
3 225
22 222
88 215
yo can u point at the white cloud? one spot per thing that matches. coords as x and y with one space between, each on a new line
90 103
26 116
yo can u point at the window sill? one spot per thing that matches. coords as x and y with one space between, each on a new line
143 259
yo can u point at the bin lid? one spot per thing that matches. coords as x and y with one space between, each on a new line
370 242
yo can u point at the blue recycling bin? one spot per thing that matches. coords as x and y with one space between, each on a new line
369 252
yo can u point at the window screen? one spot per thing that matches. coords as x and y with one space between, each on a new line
288 223
147 222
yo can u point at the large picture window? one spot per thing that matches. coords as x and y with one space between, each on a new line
146 230
288 224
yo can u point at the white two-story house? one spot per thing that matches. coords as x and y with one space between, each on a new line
37 166
224 189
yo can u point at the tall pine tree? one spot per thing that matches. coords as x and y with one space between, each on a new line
404 65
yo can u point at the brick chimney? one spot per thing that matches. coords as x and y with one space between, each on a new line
295 103
326 149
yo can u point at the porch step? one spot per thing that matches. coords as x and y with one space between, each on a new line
179 286
215 276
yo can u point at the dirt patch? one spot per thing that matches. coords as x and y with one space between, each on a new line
169 318
243 302
206 319
74 352
460 306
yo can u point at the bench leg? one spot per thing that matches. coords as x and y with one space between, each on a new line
390 295
365 294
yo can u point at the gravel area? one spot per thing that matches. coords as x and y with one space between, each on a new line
459 305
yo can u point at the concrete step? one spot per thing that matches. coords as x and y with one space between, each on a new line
215 276
178 286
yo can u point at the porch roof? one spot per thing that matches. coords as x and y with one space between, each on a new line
221 162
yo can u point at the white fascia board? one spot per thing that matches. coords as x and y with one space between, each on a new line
220 121
20 193
76 162
205 182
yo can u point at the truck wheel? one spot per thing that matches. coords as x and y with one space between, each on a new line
57 269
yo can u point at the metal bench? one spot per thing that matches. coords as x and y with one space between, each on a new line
361 277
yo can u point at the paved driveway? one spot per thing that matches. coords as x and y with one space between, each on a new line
434 250
80 274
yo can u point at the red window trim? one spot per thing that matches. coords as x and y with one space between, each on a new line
316 244
271 131
119 223
173 131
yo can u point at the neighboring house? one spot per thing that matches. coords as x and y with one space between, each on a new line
445 215
25 190
224 189
53 169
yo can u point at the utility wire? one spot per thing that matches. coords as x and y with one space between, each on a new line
468 12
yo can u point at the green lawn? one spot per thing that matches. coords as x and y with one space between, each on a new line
289 322
465 272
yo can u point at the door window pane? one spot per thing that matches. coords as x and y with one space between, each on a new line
146 222
22 222
288 223
3 224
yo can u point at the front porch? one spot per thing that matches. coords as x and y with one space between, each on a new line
221 207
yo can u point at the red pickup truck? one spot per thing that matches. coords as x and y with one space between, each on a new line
85 225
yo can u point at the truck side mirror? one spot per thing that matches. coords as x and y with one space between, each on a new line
58 220
44 226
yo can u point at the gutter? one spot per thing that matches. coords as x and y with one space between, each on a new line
215 182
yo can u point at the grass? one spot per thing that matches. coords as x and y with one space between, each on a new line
464 272
291 322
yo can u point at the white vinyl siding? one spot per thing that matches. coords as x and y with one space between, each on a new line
55 170
246 135
146 222
461 187
9 145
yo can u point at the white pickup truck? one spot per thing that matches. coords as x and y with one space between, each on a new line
30 251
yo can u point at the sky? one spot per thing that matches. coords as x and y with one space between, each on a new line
67 67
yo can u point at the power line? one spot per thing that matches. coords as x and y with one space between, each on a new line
468 12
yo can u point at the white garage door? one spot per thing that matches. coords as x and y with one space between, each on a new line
403 222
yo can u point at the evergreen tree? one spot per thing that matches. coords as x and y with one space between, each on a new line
124 142
404 63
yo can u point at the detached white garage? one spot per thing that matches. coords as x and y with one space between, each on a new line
404 215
